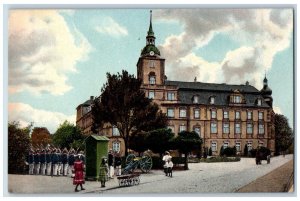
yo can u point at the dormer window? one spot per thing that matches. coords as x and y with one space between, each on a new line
236 98
196 99
212 100
259 102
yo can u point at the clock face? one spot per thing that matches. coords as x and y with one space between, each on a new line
151 53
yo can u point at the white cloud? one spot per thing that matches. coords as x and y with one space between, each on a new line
111 27
261 33
25 114
42 50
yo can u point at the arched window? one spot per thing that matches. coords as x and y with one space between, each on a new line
152 78
196 99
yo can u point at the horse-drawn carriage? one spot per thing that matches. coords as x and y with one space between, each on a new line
129 177
262 153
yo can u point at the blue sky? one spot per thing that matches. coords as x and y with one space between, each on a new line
59 58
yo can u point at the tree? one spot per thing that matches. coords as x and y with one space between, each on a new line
160 140
40 136
186 142
137 142
123 104
283 134
18 147
68 135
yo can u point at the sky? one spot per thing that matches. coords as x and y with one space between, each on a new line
58 58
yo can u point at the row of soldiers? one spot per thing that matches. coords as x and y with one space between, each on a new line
52 162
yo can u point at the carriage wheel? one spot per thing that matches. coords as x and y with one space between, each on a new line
146 163
130 158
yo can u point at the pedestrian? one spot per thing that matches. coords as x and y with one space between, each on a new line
43 162
37 164
54 162
165 160
64 160
30 161
59 169
169 167
48 161
79 176
111 164
71 160
103 173
118 163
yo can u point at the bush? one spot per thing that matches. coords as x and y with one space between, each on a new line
220 159
229 151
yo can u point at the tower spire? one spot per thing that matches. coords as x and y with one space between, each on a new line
150 31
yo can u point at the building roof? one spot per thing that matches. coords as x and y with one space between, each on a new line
221 92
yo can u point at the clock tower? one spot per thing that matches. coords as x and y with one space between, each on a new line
151 66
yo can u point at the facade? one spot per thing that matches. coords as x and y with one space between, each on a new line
223 115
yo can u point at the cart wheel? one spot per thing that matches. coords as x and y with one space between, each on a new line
129 159
146 163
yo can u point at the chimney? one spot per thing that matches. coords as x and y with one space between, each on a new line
91 98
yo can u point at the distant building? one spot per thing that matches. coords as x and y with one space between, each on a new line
223 115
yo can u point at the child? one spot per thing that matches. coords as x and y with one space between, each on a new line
103 172
169 167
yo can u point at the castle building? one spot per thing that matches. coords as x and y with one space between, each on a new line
222 114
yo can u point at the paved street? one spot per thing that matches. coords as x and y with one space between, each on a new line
201 178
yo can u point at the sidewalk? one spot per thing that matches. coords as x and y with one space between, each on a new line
279 180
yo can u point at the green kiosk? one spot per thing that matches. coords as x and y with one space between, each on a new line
96 147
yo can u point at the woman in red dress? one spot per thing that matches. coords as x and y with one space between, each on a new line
79 177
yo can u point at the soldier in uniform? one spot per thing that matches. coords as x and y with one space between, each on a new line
54 161
48 161
30 161
71 160
43 162
64 160
37 164
59 162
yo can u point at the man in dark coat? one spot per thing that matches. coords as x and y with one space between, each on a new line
37 163
111 164
71 160
30 161
43 162
48 161
64 161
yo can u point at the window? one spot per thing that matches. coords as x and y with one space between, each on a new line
213 114
116 146
237 99
225 145
249 145
237 128
238 146
151 63
171 96
89 108
213 146
196 99
212 100
259 102
260 115
151 95
197 130
249 115
152 79
225 114
249 128
226 128
182 112
182 128
196 113
172 128
237 115
261 128
115 131
170 112
213 127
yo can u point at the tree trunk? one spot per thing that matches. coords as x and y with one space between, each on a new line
186 161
